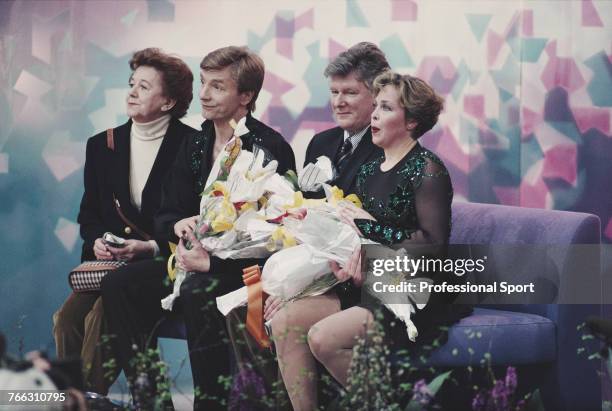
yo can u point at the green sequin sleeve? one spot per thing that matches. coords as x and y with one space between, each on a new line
382 233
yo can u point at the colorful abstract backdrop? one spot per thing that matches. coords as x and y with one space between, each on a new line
528 89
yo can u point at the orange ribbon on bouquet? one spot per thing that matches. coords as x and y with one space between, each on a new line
256 299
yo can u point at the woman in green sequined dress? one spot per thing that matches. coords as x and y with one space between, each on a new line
406 199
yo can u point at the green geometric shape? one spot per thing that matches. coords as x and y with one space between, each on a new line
354 15
601 83
532 49
129 18
256 42
568 129
463 74
478 24
66 43
313 76
397 55
531 153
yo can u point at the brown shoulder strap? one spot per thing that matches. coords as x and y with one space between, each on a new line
110 139
130 224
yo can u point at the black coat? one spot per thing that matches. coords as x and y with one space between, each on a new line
183 186
107 176
328 142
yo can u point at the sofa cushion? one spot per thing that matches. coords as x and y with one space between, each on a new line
511 338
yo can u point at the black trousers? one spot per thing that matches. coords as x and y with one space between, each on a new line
131 297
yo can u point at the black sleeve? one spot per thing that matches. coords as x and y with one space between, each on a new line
90 214
178 197
307 159
433 196
285 157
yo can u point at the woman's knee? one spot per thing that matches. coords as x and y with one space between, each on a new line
319 344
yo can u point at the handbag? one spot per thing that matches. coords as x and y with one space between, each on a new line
88 275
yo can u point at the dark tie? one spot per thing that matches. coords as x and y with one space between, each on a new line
343 154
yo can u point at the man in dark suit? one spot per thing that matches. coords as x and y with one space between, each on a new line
349 145
231 78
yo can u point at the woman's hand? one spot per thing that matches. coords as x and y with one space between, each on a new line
352 269
131 250
101 250
196 259
271 306
348 212
185 226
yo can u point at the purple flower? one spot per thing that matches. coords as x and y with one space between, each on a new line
479 403
500 395
247 388
511 379
421 393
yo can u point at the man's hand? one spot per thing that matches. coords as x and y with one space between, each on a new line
186 225
196 259
131 250
352 269
101 250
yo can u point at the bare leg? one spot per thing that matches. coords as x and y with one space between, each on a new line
290 327
331 340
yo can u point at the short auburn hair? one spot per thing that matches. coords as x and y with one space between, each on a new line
177 79
247 68
420 101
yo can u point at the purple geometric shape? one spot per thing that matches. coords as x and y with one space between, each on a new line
335 48
527 23
474 105
304 20
590 17
285 26
404 10
494 45
440 72
284 47
556 108
561 71
276 86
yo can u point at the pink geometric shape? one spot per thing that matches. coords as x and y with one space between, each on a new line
451 152
494 45
277 87
304 20
4 163
317 126
562 72
560 163
529 121
335 48
592 117
404 10
527 23
608 230
590 17
474 105
507 195
284 47
429 65
533 195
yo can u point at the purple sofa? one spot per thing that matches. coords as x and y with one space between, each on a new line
542 337
559 252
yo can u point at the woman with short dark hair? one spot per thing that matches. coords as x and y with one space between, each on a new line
124 169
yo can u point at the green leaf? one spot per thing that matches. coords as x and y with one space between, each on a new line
437 382
535 402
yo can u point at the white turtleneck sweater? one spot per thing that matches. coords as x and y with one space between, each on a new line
145 141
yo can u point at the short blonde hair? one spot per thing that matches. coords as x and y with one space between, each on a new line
420 101
247 68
